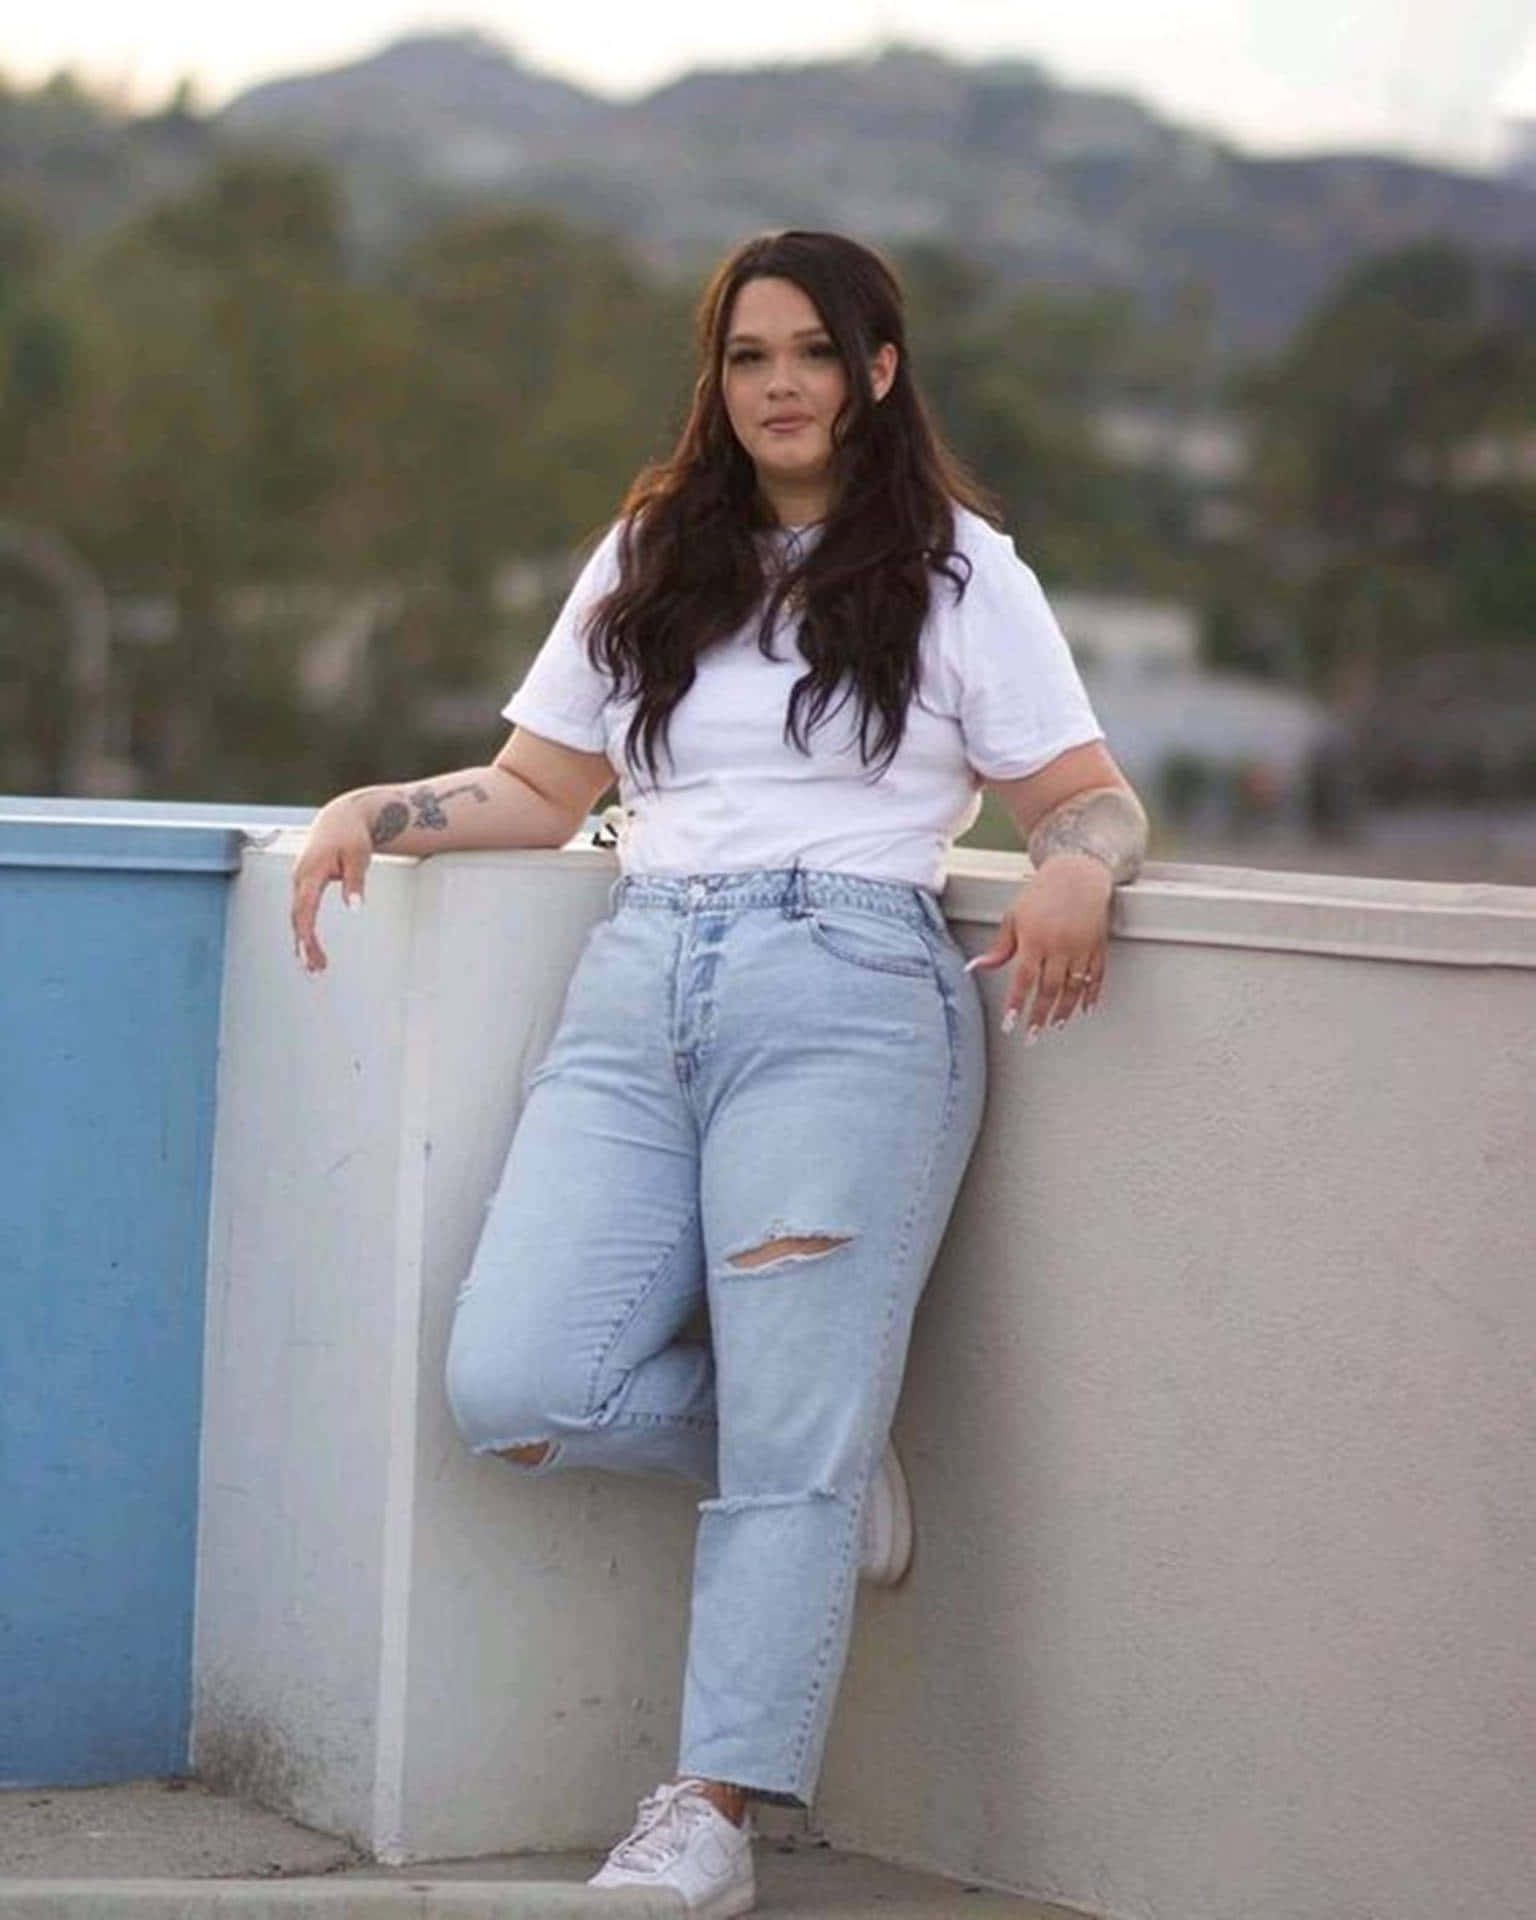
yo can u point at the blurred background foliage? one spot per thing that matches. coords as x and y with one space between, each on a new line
333 503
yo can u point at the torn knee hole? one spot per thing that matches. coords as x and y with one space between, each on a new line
806 1246
530 1456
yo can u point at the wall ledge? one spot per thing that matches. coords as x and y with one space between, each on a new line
98 845
1438 923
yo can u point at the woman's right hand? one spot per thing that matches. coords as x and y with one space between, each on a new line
339 847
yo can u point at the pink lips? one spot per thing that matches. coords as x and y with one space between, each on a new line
788 423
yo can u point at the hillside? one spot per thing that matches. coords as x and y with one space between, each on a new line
1032 179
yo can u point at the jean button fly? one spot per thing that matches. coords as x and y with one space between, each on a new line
697 893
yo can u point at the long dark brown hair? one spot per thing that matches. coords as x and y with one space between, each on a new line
692 570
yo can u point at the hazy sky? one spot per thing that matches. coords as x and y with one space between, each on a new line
1427 77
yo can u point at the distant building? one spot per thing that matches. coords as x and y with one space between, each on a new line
1208 450
1215 748
1128 636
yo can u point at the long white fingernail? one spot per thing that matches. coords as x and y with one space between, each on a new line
351 901
1010 1019
972 965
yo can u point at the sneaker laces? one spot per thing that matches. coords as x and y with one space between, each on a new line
662 1825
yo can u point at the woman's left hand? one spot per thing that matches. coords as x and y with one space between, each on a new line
1055 932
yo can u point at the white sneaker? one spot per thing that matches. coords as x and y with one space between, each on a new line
887 1546
683 1843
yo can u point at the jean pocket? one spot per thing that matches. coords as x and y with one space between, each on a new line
871 940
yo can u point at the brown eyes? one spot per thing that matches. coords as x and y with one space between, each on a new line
823 350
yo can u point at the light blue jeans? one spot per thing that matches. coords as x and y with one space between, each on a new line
742 1058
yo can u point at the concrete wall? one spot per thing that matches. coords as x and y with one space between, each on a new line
1220 1428
361 1575
1218 1418
307 1429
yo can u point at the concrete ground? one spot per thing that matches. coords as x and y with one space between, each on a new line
171 1850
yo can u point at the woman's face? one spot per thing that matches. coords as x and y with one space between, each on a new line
783 385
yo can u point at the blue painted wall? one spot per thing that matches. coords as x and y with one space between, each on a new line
111 962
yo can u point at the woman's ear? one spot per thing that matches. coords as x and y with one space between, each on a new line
882 370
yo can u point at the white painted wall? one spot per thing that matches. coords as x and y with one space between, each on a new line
301 1428
541 1647
383 1620
1218 1418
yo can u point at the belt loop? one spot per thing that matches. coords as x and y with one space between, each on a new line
794 904
933 912
616 894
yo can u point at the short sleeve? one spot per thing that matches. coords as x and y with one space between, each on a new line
1017 691
562 695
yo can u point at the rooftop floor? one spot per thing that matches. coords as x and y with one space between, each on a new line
151 1848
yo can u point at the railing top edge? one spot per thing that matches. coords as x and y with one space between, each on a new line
1356 916
1350 916
188 813
119 846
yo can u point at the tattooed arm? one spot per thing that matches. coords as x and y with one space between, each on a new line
534 794
1080 806
415 819
1106 823
1086 832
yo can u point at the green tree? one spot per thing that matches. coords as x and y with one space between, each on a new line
1387 475
210 453
1014 380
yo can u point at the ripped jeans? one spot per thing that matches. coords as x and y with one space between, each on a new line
762 1093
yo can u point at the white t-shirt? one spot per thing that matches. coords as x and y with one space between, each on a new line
999 697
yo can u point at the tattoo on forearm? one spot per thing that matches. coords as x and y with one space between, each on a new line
1105 822
394 816
393 819
428 803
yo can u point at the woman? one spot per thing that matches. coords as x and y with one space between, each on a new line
802 646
